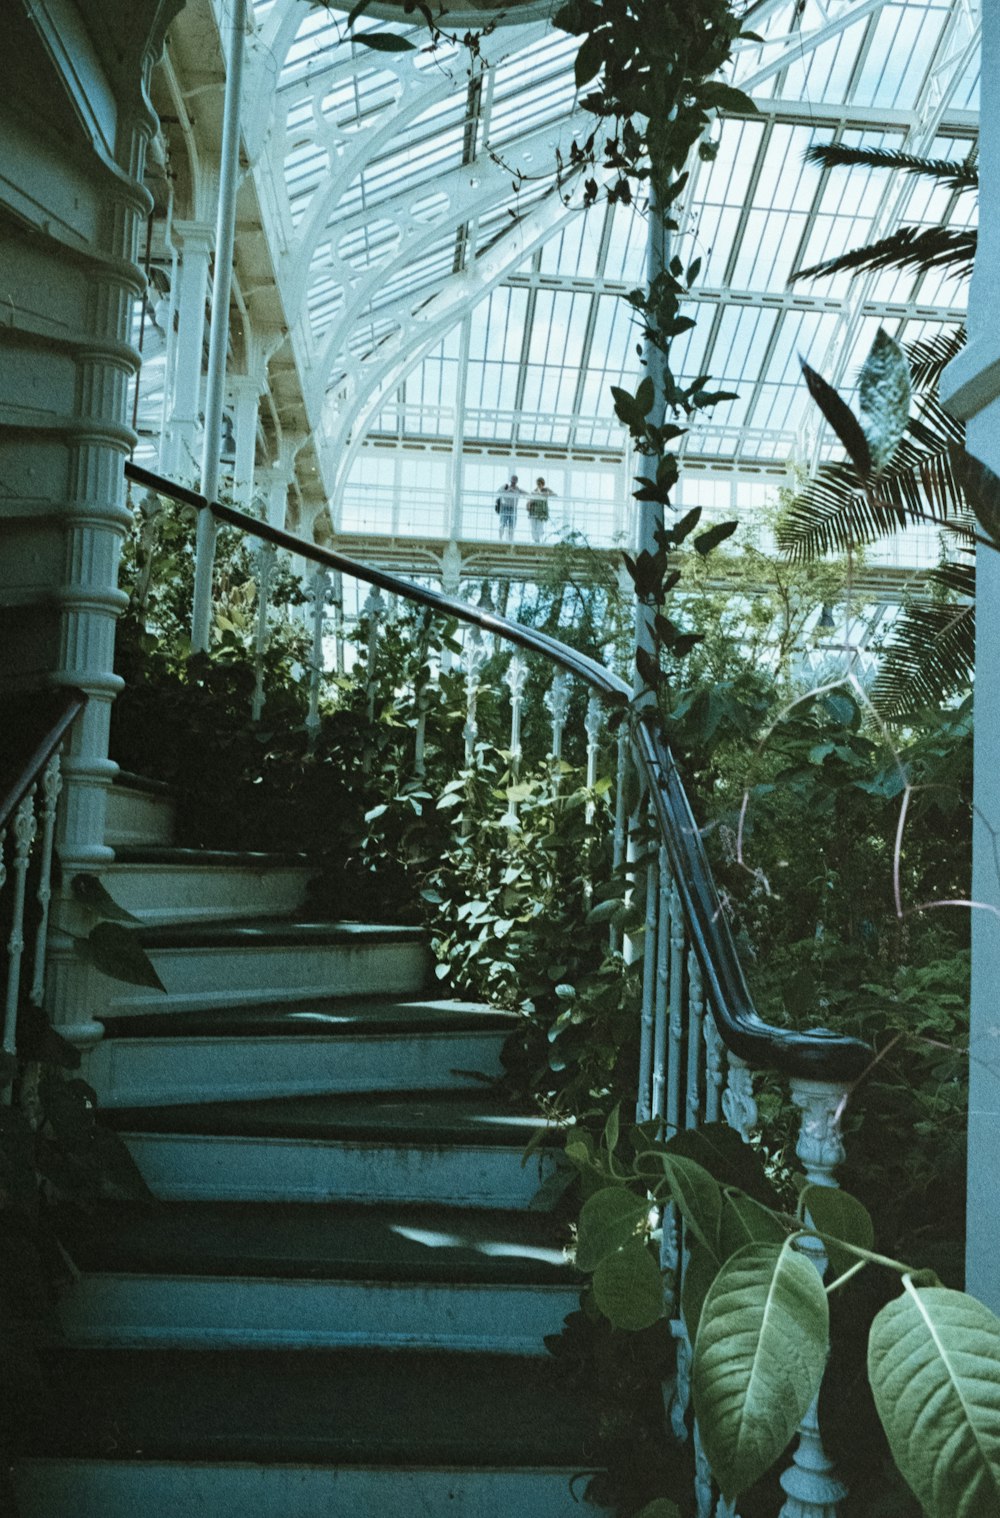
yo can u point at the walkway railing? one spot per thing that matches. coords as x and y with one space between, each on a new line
702 1041
34 726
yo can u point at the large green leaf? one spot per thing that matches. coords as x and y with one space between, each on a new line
720 1150
884 396
628 1287
842 1216
116 951
609 1219
745 1221
758 1359
934 1365
698 1197
700 1271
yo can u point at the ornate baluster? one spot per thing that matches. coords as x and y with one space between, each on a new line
318 587
514 679
703 1487
681 1399
618 856
592 727
24 829
473 657
676 1025
739 1107
51 786
374 612
266 557
648 1069
696 1015
338 619
715 1076
812 1487
557 704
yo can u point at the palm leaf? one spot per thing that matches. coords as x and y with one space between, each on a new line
929 357
931 656
919 248
955 176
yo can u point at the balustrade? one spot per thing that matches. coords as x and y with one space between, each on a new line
700 1039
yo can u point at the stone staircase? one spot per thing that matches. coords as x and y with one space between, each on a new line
337 1303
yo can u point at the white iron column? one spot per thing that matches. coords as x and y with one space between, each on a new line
971 389
193 240
244 395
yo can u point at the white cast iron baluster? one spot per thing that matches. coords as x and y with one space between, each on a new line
812 1487
592 727
647 1058
681 1400
374 612
676 1028
739 1107
661 1010
318 585
696 1015
266 557
703 1487
514 679
557 704
24 836
473 657
618 856
51 786
715 1053
338 619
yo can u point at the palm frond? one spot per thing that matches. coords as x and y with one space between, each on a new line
955 176
834 512
920 248
930 658
929 357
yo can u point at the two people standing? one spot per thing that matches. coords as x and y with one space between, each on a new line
538 508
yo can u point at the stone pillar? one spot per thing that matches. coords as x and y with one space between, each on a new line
194 243
970 389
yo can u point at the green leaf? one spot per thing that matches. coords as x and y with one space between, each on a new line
706 541
841 418
982 490
934 1365
89 890
116 951
383 42
698 1197
589 60
721 1151
884 396
758 1360
725 97
628 1287
612 1128
836 1212
745 1221
699 1274
609 1219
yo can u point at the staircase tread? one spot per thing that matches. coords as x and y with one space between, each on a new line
273 932
393 1242
128 780
169 854
430 1119
402 1407
316 1017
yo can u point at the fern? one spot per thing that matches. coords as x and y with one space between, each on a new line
920 248
931 656
955 176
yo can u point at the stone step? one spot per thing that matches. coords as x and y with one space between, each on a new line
321 1046
442 1147
241 961
169 885
124 1488
139 813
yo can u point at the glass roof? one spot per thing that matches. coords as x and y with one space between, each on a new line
443 287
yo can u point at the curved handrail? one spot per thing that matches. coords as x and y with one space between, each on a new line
36 723
817 1055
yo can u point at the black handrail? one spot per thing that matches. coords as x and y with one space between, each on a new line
34 724
817 1055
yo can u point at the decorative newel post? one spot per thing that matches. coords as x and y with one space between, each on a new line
514 679
812 1487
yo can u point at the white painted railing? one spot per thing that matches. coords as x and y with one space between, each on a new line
29 799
